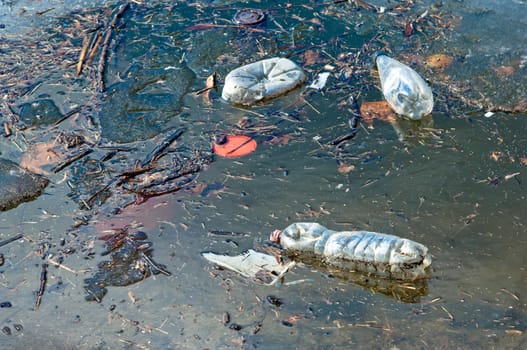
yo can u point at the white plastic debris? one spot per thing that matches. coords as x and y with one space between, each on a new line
261 80
368 252
404 89
320 81
252 264
489 114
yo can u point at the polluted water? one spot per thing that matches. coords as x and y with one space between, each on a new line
138 203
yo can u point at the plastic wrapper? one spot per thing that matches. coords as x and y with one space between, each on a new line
261 80
262 268
363 251
404 89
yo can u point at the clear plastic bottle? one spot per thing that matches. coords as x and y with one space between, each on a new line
368 252
404 89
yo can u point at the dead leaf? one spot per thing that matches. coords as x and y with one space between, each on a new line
496 155
412 59
293 318
132 297
210 83
503 71
281 140
344 168
244 123
520 107
316 22
438 61
311 57
197 188
408 29
380 110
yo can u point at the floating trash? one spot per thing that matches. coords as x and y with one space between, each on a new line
261 80
249 17
368 252
263 268
320 81
404 89
234 146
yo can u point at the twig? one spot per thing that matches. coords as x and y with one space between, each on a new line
85 44
74 157
447 312
310 105
227 233
42 288
106 44
67 115
54 263
40 13
354 123
164 144
240 146
95 45
7 130
11 239
282 273
154 266
10 118
510 293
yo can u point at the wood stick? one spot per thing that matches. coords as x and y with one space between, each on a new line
106 44
76 156
67 115
152 156
42 288
85 44
93 49
11 239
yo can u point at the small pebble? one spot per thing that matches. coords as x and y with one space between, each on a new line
18 327
5 304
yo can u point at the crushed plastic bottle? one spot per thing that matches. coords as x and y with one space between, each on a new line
404 89
363 251
261 80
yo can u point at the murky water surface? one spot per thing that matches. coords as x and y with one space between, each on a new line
454 181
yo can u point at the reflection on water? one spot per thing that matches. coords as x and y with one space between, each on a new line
454 182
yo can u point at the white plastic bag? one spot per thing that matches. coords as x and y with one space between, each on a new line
263 268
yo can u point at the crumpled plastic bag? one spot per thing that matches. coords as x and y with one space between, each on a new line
263 268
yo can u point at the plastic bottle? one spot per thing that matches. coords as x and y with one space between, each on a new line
368 252
404 89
